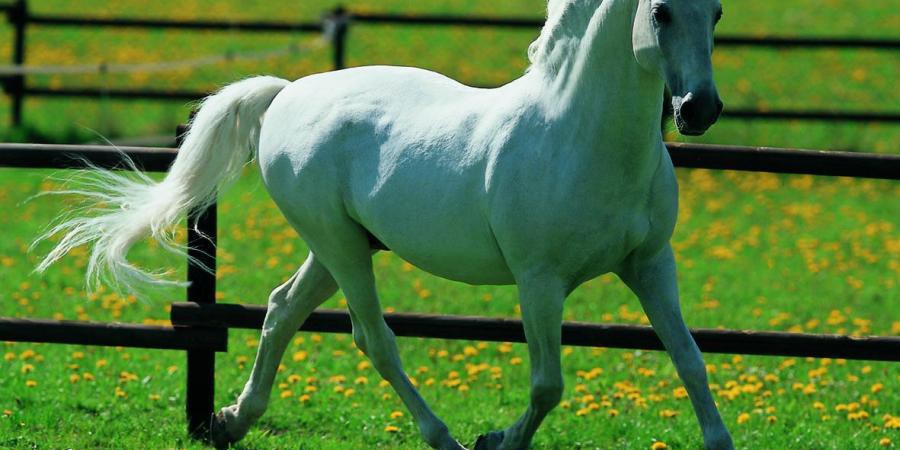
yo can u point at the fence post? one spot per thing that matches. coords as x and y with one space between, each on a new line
201 237
339 22
18 16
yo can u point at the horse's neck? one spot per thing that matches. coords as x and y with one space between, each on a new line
601 90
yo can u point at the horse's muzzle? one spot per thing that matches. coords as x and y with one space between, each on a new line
696 111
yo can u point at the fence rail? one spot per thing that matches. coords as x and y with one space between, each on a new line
113 334
206 25
573 333
696 156
339 21
722 40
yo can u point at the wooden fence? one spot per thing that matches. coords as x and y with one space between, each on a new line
200 325
339 22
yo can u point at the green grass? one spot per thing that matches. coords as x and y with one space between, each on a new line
756 251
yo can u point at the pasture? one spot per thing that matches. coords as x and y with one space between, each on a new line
757 251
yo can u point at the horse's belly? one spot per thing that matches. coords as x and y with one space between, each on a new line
443 235
478 267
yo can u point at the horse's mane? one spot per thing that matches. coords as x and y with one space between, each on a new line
567 21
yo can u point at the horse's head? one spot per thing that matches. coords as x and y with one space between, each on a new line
674 38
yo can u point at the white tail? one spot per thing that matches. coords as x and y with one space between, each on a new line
222 138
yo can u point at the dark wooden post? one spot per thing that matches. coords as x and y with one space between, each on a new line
202 237
18 16
339 20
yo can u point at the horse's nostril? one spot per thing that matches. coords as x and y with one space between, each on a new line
688 110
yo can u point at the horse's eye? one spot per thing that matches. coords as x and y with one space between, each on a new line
718 15
662 15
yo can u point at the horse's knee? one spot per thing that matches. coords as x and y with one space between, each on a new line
547 393
360 340
690 366
379 345
382 358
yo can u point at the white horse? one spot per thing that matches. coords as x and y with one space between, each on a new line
551 180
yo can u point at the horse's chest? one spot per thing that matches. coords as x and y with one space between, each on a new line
596 237
579 233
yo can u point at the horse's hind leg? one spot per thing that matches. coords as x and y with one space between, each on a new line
289 305
654 282
344 248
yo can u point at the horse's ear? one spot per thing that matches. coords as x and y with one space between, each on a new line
644 40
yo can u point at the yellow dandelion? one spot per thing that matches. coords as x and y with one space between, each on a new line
659 445
884 442
668 413
391 429
304 398
515 361
743 417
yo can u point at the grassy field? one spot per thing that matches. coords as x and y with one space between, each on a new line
756 251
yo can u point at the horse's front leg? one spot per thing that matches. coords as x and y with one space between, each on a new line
541 298
654 281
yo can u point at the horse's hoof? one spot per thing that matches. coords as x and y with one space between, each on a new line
490 441
218 432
